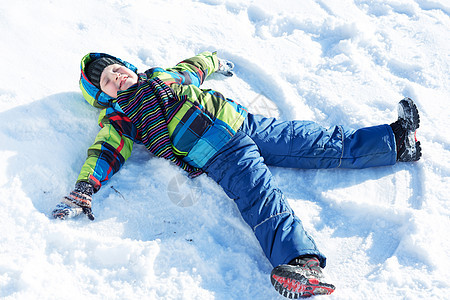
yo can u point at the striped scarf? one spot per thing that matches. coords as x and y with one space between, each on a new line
150 105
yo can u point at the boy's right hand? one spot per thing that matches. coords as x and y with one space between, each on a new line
76 203
67 210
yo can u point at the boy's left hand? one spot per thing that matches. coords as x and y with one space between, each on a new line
225 67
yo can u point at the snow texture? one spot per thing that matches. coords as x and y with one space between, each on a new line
159 236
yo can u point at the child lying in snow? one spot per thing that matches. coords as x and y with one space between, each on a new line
201 131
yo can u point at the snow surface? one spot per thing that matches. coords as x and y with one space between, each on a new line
384 230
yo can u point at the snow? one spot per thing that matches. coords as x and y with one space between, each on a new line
384 230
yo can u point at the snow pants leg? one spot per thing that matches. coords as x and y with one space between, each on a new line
307 145
240 170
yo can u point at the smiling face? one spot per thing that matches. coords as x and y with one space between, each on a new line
116 78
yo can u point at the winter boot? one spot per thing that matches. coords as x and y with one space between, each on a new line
300 278
408 148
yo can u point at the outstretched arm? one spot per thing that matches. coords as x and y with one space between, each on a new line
194 70
112 147
107 155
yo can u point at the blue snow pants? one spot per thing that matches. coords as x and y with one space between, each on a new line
241 169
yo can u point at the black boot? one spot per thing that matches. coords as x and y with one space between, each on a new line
408 148
300 278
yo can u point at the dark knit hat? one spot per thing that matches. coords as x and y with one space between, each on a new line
94 69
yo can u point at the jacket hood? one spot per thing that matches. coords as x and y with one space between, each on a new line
91 93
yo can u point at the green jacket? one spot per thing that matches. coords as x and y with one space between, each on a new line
197 122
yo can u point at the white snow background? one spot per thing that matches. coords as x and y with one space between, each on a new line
384 230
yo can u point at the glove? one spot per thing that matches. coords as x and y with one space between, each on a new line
76 203
225 67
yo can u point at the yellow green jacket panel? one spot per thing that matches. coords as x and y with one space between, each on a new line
197 122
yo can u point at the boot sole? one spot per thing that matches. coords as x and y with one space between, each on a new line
410 121
292 283
409 114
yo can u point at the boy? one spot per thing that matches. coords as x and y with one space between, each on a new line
201 131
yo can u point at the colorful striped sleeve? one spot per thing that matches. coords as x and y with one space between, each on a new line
193 70
110 150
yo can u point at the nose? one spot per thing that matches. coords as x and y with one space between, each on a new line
116 76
